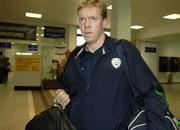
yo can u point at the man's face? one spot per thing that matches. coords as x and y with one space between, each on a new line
92 24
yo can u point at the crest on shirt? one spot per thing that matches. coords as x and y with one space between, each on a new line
116 62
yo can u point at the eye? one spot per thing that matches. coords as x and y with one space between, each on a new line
81 19
94 18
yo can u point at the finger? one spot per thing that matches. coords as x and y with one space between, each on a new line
65 101
59 91
58 94
61 98
65 96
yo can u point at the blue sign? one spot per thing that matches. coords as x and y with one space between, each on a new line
54 32
33 47
150 49
6 45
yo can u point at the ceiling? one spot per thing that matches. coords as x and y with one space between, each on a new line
57 12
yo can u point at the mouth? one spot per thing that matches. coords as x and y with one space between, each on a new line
88 33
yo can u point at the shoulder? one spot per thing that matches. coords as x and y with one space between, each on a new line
126 45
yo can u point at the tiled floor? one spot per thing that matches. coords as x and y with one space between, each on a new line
173 98
17 107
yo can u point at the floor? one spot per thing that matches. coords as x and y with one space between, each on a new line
17 107
173 98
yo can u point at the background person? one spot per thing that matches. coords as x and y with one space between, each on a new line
3 69
54 69
64 60
6 70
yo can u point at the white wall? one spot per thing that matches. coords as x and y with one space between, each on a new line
72 37
169 49
152 59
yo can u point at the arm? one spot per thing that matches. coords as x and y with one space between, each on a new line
142 81
62 96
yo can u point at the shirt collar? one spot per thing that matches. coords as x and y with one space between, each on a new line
107 45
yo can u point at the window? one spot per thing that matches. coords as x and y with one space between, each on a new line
80 40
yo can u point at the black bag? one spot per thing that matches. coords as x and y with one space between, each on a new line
143 119
53 118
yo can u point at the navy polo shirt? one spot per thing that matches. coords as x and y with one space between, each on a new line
87 61
98 89
101 92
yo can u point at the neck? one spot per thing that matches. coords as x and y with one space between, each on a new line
92 47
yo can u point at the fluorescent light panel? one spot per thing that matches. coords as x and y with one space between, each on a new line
109 7
33 15
172 16
34 44
42 28
23 53
136 27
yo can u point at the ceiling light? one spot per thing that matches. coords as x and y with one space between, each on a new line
22 53
136 27
34 44
172 16
42 28
109 7
33 15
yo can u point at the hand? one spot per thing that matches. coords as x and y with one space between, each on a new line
62 98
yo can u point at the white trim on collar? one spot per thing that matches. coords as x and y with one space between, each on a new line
79 52
103 51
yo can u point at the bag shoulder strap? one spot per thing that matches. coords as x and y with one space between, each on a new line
120 49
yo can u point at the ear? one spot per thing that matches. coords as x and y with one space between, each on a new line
105 22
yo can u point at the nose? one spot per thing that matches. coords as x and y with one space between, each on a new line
87 23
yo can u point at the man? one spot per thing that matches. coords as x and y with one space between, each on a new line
7 69
97 81
64 60
53 70
3 63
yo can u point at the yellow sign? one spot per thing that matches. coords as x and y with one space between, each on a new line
27 63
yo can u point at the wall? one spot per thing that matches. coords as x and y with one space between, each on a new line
149 57
152 59
72 37
169 49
